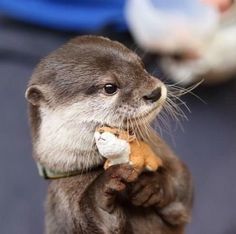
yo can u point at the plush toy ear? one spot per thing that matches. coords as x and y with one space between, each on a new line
35 95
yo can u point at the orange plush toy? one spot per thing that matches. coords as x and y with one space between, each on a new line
118 146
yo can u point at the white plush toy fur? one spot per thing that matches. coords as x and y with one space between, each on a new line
112 148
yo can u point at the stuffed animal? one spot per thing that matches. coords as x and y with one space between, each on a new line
118 146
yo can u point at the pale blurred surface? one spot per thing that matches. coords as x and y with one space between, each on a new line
195 38
207 144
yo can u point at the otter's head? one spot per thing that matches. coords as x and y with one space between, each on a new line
88 82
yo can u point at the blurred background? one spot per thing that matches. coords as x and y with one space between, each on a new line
181 42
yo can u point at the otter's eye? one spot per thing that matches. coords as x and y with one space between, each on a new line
117 134
110 89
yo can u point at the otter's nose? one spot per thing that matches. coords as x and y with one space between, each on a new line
153 96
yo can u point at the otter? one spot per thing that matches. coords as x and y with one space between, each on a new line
88 82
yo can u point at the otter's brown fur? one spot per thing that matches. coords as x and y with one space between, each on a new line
66 104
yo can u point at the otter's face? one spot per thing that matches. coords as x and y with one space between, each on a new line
126 97
89 82
97 80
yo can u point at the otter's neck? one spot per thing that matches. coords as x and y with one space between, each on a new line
64 145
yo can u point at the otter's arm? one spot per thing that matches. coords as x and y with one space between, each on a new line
101 199
88 204
169 190
177 185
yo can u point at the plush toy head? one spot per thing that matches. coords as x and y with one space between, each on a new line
112 142
119 133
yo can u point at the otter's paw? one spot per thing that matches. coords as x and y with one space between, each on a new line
149 190
175 214
118 175
115 180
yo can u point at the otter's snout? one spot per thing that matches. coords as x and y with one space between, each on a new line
154 96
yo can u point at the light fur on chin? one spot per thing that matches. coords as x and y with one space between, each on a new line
65 143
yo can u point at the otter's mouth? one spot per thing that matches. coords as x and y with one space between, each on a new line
129 122
138 119
145 116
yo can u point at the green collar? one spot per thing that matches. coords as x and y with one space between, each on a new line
50 174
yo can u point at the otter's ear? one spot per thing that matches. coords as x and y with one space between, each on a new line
35 95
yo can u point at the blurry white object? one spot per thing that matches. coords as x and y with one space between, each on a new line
204 38
167 26
217 61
